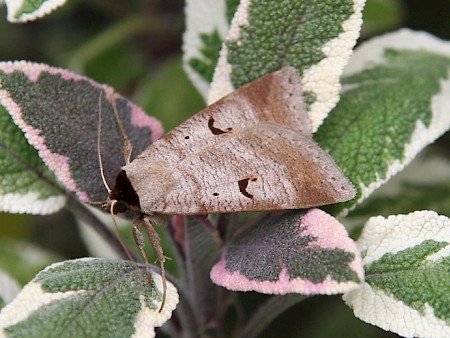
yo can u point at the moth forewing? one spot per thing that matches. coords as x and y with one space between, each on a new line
263 167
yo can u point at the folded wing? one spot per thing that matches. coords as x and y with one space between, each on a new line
262 167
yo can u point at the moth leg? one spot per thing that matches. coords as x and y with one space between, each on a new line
144 222
139 239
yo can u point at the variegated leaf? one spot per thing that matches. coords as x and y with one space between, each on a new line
58 111
26 185
308 253
407 266
394 103
207 23
29 10
266 35
89 298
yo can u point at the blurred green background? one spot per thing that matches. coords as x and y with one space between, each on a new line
135 46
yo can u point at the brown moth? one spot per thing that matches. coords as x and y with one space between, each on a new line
250 151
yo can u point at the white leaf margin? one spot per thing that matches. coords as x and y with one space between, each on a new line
31 203
32 297
14 7
391 235
202 17
9 288
369 55
147 319
322 79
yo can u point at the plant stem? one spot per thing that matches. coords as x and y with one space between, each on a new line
81 211
267 312
210 227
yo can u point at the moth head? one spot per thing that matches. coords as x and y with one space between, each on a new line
122 197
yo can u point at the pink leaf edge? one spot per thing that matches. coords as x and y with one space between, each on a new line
330 234
59 164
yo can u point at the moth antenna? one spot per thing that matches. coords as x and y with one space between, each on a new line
127 146
99 147
119 236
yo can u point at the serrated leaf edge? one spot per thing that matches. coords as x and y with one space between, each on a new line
32 297
369 55
14 7
389 235
369 304
337 52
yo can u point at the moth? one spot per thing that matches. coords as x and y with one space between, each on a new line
250 151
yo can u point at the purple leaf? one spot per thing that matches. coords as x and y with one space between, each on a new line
303 252
201 253
58 112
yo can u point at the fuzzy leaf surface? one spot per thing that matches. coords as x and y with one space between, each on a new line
59 113
308 253
26 185
89 298
407 266
316 38
207 23
394 103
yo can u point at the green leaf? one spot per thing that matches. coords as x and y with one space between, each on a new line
395 102
210 52
382 15
316 38
206 27
89 298
407 266
29 10
26 185
410 190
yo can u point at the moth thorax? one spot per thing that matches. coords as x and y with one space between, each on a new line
156 183
124 193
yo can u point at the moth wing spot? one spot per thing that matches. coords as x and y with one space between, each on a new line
186 137
215 194
243 184
217 131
